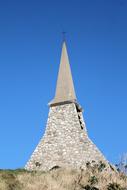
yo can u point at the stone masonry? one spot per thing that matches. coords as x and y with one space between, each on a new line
65 142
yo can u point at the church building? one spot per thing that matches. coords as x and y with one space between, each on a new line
66 142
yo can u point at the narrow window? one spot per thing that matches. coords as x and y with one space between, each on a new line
79 111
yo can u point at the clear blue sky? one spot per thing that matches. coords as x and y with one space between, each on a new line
30 47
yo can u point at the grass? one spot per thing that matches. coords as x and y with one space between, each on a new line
62 179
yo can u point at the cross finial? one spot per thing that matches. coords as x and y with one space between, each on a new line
64 35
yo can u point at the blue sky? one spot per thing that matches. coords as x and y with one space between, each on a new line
30 47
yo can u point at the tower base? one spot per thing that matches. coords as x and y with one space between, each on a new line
65 142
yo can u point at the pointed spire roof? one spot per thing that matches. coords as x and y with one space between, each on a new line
65 88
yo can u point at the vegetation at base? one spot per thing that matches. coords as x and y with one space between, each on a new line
115 186
10 180
88 187
17 171
122 165
93 180
63 179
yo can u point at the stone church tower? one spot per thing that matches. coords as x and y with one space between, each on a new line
65 142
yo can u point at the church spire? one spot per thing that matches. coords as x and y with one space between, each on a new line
65 89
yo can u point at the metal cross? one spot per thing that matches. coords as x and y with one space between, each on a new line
64 36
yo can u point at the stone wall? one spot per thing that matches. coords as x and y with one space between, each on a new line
65 142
